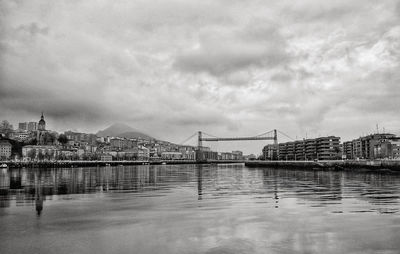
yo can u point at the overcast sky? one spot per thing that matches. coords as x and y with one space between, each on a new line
229 68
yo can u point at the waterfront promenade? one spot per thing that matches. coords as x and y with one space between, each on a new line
360 165
65 163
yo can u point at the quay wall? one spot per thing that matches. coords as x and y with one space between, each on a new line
378 165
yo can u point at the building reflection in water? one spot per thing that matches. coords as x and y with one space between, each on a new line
38 193
199 171
316 188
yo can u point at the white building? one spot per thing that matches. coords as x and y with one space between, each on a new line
21 135
143 153
5 149
33 152
171 155
106 157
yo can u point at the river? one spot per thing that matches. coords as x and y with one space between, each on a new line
197 209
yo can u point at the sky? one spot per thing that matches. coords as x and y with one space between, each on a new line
308 68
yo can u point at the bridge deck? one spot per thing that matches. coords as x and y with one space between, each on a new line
239 138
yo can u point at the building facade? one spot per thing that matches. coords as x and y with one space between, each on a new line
5 149
323 148
171 155
373 146
39 152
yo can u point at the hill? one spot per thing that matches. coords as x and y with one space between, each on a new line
122 130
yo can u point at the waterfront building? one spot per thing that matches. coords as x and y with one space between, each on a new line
357 149
370 146
171 155
311 149
282 151
238 155
348 150
67 154
189 155
226 156
300 150
234 155
143 153
5 149
395 148
383 150
106 157
323 148
250 157
270 152
328 148
39 152
290 151
206 155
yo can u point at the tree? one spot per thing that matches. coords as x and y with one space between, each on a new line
32 142
47 154
75 157
49 138
32 154
40 155
338 152
62 139
6 128
51 154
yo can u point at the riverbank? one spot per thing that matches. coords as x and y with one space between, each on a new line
76 164
362 165
375 165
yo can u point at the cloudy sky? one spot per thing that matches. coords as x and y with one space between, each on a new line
229 68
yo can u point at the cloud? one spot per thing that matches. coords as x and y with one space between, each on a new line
175 67
33 29
220 52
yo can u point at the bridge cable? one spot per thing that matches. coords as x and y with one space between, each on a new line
262 134
188 138
210 135
286 135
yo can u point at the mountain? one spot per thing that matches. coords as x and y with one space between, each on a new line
122 130
134 134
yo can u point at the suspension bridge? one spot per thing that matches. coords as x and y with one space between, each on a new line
203 154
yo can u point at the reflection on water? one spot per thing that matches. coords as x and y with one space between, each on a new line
198 209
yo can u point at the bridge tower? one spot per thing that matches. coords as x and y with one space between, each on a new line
276 146
200 141
199 154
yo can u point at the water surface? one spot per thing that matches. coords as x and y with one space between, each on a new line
198 209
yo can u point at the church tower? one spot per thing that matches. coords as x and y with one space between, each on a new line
41 132
42 124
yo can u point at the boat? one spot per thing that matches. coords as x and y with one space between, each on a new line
3 165
164 163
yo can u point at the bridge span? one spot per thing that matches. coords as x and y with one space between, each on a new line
200 156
